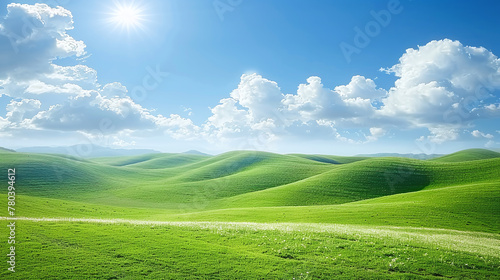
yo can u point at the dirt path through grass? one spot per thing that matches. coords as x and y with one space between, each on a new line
472 242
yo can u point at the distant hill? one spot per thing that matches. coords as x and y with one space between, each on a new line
468 155
330 159
151 161
195 152
6 150
87 151
414 156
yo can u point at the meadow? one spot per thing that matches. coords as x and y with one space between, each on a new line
255 215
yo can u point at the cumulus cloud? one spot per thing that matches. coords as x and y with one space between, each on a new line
59 83
114 90
3 124
443 87
253 110
441 134
450 64
81 75
64 98
375 133
92 111
32 36
315 102
489 111
260 96
479 134
421 104
258 108
228 116
178 127
442 76
490 144
361 87
17 111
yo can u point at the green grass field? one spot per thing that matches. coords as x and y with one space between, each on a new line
255 215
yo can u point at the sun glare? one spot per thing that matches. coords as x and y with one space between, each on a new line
127 16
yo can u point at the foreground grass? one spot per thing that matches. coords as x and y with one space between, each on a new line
81 250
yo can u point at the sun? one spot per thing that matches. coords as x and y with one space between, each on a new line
127 16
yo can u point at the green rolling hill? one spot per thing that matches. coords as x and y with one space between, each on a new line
4 150
468 155
471 207
152 161
330 159
161 184
248 213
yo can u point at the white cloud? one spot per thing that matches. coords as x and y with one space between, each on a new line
81 75
227 115
93 111
315 102
17 111
361 87
37 87
258 109
479 134
3 124
490 144
32 36
441 134
114 90
493 107
422 104
63 98
253 111
178 127
260 96
188 110
64 81
490 110
442 86
122 143
450 64
375 133
441 79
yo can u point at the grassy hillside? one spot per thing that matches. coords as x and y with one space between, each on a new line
330 159
79 250
53 175
151 161
471 207
235 179
4 150
255 215
123 161
468 155
251 180
345 183
86 151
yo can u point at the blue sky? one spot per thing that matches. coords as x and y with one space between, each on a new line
234 70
